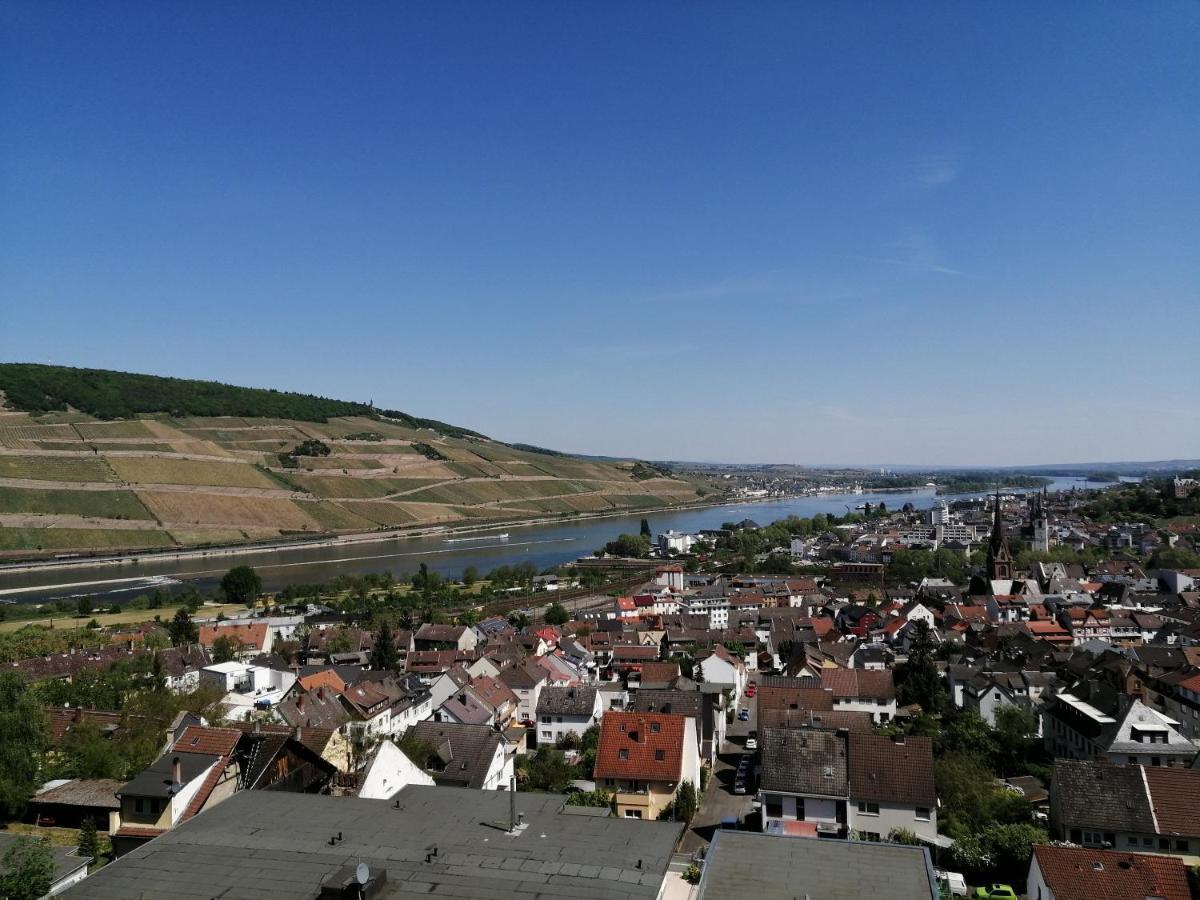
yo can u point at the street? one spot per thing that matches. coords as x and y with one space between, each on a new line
719 801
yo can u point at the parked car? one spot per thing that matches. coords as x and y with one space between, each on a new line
750 691
743 715
739 786
996 892
752 741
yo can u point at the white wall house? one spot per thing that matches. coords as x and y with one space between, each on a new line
391 771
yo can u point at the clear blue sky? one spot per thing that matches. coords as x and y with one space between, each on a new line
806 232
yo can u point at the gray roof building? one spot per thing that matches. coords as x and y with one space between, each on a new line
427 840
567 701
744 864
799 761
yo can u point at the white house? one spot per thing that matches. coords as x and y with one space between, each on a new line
246 686
722 668
389 772
567 710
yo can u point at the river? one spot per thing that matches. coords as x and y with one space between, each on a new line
544 545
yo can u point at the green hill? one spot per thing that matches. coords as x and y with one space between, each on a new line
99 460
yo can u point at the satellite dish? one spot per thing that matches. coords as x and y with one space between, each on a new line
362 873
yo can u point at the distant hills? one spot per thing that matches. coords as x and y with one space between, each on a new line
98 460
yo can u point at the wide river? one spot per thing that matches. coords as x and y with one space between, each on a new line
544 545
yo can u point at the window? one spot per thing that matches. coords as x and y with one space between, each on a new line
545 720
1156 760
623 753
774 806
608 782
1164 843
923 813
1131 841
1181 846
799 809
868 809
660 755
139 804
655 728
872 836
633 813
547 733
1147 842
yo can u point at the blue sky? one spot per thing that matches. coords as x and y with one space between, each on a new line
802 232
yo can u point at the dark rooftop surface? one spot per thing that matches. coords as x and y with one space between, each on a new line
261 844
765 867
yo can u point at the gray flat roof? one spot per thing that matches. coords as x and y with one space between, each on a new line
766 867
267 844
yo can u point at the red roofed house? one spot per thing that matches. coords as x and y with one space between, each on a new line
644 758
251 637
1080 873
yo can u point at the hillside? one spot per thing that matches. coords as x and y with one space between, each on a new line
97 460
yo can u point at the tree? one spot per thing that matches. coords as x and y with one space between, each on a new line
182 629
224 649
1014 743
470 575
645 532
22 740
241 584
556 614
546 770
518 620
919 679
599 799
634 545
84 607
89 843
903 835
383 654
686 802
27 869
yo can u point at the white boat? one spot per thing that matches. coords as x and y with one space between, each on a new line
480 537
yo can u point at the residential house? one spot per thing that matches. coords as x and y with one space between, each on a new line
249 637
1095 721
526 679
1084 873
444 637
862 690
567 710
473 756
704 708
720 667
248 687
1127 808
388 772
644 758
66 804
843 782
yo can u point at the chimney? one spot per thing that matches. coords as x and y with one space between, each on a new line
512 804
176 771
299 734
300 703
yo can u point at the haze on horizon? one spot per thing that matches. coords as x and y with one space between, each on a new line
929 234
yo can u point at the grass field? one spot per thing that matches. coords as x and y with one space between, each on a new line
98 504
151 470
114 429
81 539
56 468
125 617
333 517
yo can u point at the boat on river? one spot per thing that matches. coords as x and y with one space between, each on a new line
479 537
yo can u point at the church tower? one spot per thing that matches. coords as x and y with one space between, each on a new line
999 557
1040 519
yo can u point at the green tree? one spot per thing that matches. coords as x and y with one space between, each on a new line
89 842
384 655
518 620
546 770
22 740
687 801
645 532
87 753
182 629
241 584
27 869
904 835
224 649
556 614
918 679
1014 738
470 575
84 607
598 799
631 545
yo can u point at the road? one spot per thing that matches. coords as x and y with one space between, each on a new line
719 801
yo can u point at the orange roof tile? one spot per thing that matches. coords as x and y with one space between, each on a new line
643 746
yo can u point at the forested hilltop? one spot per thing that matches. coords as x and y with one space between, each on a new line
108 395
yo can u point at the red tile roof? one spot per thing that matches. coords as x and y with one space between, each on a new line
213 741
251 634
642 746
873 684
1175 797
1077 873
326 677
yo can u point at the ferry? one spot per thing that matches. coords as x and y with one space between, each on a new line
480 537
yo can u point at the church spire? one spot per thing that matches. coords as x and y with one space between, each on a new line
999 557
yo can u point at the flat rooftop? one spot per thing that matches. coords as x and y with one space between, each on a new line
268 844
765 867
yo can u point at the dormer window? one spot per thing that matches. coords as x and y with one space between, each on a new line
655 728
623 753
660 755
